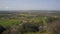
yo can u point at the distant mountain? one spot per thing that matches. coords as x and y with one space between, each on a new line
8 12
30 11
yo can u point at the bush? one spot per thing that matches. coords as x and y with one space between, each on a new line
29 27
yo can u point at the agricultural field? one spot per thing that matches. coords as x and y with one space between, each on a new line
30 23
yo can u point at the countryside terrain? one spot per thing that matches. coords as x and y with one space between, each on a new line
30 22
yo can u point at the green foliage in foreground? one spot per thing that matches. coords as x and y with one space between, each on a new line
29 19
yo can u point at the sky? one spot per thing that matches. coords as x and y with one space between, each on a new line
29 4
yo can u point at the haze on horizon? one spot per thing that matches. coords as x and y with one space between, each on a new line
29 4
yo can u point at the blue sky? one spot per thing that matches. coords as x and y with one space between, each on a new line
29 4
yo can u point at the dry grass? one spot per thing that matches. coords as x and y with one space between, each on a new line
54 27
